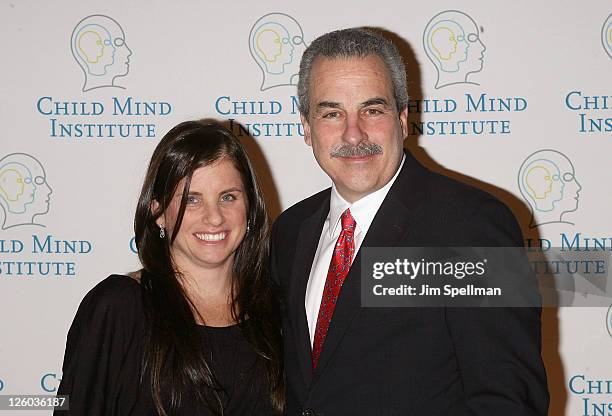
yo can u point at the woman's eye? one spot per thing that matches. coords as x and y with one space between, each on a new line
192 199
228 198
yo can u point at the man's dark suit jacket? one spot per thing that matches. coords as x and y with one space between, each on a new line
408 361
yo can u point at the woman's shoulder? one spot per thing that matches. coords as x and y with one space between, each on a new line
116 295
116 285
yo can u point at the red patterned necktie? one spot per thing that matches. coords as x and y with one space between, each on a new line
338 269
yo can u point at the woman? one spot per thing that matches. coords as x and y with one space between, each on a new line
194 332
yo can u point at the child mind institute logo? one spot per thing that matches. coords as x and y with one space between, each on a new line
606 35
452 42
24 191
276 43
547 182
99 47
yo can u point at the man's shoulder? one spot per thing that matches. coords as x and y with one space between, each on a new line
443 189
458 212
305 208
436 189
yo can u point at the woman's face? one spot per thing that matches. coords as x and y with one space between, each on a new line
215 221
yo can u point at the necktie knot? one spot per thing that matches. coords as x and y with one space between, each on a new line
347 220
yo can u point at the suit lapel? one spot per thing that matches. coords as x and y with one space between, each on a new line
306 247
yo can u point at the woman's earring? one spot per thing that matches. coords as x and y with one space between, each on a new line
248 226
162 231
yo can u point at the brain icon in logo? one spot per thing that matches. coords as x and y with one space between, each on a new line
98 45
24 192
606 35
547 182
452 42
276 42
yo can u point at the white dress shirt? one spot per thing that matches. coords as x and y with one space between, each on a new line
363 211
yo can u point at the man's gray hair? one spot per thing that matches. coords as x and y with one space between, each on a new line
348 43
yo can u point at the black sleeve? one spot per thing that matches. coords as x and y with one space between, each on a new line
273 254
498 350
103 350
277 284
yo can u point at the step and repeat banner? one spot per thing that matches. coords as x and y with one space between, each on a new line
515 98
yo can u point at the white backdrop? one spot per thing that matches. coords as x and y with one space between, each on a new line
493 84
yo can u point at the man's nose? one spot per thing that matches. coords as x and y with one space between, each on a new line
354 132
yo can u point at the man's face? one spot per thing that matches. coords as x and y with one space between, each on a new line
354 129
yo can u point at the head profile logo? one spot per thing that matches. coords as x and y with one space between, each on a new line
606 35
547 182
24 191
452 43
99 47
276 43
609 321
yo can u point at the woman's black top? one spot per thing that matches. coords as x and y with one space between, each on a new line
104 351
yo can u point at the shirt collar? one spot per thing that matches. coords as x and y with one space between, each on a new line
362 210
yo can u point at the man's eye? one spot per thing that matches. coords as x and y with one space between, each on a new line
332 114
228 198
373 111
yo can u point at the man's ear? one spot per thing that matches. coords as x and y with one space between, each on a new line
307 136
160 221
403 116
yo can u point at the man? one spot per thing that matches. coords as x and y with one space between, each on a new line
342 358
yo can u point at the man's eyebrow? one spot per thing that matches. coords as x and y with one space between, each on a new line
375 101
328 104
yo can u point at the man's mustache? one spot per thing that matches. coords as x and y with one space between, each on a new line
362 149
